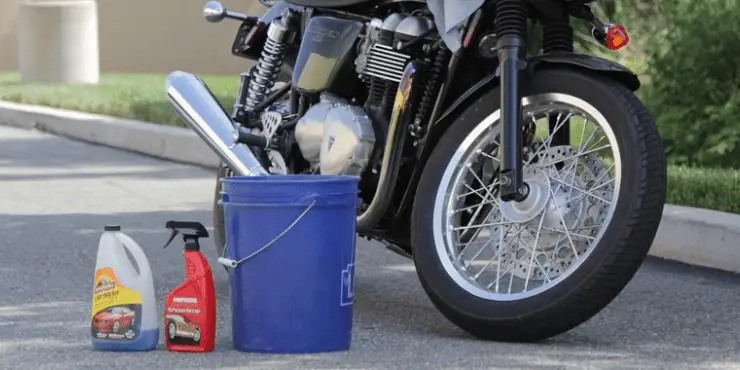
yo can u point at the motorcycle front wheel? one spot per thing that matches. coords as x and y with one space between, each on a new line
532 270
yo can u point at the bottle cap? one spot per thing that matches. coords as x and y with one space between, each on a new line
112 228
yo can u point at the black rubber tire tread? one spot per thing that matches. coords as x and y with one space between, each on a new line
612 264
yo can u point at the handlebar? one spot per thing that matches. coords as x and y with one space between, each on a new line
215 12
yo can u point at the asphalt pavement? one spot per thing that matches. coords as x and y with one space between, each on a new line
56 195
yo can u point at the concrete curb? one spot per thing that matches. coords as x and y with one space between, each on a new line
690 235
165 142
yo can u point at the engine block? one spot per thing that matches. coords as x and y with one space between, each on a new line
335 137
338 138
379 59
380 65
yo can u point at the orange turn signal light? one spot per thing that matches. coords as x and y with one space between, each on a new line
616 37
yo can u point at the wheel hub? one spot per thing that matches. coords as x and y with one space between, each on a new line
536 201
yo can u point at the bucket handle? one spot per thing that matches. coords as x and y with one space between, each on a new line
233 263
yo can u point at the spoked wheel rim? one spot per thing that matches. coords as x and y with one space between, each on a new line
512 251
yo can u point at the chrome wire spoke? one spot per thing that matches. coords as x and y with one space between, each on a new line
467 208
566 231
477 191
500 251
488 224
534 250
546 144
584 192
539 264
488 196
560 214
490 157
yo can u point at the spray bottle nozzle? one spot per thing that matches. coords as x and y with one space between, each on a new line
190 230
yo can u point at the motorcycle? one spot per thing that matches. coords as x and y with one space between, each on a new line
527 187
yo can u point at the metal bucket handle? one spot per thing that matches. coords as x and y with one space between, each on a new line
234 263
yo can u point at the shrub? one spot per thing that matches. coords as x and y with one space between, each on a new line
694 76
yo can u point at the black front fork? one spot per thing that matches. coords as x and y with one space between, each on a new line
511 28
511 179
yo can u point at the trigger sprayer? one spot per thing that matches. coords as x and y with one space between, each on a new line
191 232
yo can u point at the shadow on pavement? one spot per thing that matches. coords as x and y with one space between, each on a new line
670 316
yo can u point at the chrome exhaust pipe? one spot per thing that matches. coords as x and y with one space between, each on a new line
192 101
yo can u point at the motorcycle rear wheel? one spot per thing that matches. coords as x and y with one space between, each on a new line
576 249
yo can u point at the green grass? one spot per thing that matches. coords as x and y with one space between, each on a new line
133 96
717 189
141 97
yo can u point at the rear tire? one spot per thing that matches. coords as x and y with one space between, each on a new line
602 274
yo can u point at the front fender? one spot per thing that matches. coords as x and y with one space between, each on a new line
601 66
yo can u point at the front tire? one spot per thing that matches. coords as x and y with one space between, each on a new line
570 292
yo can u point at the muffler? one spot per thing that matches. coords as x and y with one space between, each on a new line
192 101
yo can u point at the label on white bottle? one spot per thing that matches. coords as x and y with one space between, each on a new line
116 309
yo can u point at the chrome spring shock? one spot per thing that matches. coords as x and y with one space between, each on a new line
265 73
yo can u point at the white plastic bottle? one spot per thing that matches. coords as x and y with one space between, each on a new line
124 309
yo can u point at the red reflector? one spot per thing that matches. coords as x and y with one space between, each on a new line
616 37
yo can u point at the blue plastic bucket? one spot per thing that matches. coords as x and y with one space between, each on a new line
292 292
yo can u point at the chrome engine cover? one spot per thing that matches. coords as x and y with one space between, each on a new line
335 136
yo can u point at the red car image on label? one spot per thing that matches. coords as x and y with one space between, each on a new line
117 322
179 327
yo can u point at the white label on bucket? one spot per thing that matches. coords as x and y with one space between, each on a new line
348 286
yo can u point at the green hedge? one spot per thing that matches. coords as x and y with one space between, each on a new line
714 188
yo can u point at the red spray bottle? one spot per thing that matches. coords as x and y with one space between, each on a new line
190 308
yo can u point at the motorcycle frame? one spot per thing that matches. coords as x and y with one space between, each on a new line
510 70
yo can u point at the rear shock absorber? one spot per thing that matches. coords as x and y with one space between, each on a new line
511 28
557 36
260 80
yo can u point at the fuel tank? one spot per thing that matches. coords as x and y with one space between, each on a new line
325 59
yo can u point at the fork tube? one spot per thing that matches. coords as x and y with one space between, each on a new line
511 24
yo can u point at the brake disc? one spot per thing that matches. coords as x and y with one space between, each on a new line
574 211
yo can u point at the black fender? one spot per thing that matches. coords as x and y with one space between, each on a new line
598 65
